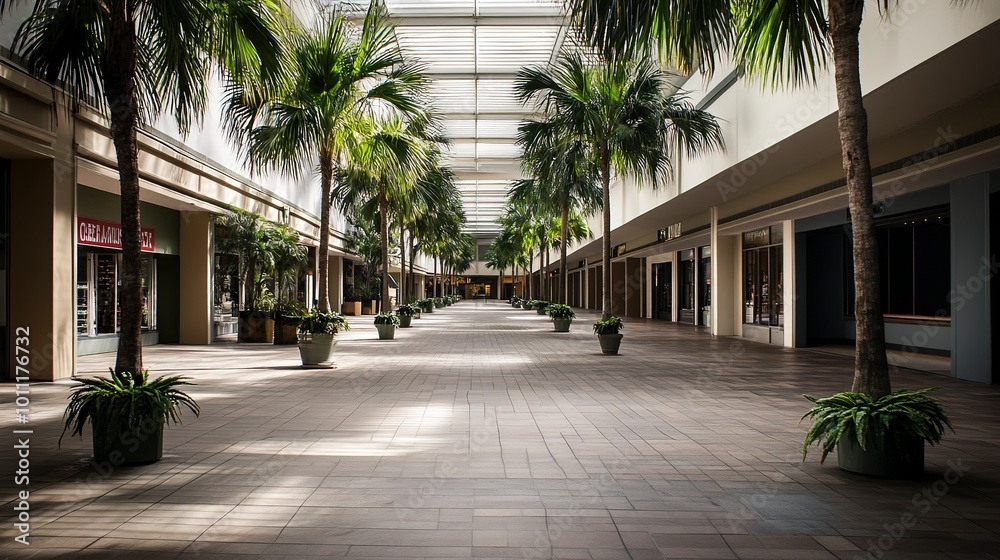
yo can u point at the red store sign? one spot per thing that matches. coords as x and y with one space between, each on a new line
98 233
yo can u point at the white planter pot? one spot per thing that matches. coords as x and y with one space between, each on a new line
317 349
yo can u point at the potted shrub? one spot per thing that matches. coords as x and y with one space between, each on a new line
246 236
386 324
515 302
127 414
540 306
448 300
607 333
406 313
426 305
317 330
877 437
527 303
439 302
562 316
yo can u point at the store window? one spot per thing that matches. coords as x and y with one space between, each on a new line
705 283
686 287
763 268
99 291
914 253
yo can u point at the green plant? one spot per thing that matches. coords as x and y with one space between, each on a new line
123 403
320 322
560 311
406 310
425 304
386 319
889 420
611 325
541 303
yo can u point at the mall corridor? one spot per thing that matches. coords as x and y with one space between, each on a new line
480 433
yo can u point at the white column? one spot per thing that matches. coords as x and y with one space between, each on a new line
788 280
196 277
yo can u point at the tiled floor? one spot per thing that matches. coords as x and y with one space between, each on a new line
480 433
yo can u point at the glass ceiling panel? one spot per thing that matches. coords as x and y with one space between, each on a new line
472 50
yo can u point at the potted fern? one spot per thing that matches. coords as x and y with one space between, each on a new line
317 330
127 414
406 312
877 437
540 306
608 335
386 324
562 316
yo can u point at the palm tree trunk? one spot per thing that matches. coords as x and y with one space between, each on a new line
326 188
871 370
500 284
605 233
411 262
563 294
528 273
402 264
119 69
383 212
435 292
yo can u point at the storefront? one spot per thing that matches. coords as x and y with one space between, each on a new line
99 273
763 271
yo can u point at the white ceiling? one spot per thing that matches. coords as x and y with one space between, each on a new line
472 49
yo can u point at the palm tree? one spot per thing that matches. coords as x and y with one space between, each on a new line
517 222
436 190
629 122
339 77
139 58
783 43
565 177
382 170
246 235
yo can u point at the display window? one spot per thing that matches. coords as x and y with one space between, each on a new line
763 270
99 290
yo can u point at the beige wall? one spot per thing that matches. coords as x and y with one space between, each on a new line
42 253
197 270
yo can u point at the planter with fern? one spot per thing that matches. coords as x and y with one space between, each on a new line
540 307
562 316
127 415
876 437
406 313
608 335
385 324
317 332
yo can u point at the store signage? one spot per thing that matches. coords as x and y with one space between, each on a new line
98 233
668 233
759 238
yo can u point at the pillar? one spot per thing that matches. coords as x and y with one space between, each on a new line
788 296
197 276
42 282
336 282
971 270
725 280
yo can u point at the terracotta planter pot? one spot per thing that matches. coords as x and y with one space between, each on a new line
352 308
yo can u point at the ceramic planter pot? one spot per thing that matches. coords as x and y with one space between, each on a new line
610 342
317 349
386 332
405 320
143 444
906 461
562 324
